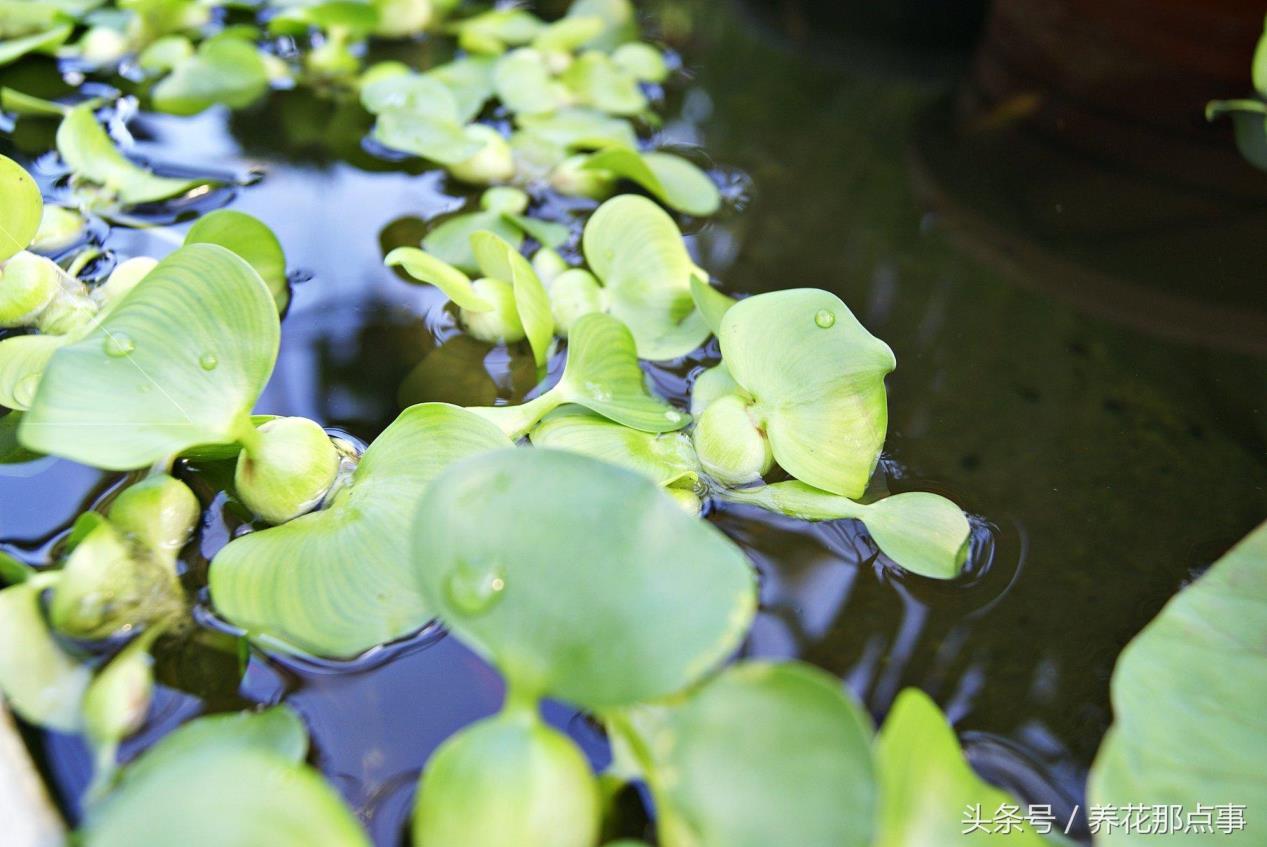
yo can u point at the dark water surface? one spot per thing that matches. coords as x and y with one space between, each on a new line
1109 455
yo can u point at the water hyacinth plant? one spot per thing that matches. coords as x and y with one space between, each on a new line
572 536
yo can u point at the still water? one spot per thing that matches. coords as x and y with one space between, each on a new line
1108 453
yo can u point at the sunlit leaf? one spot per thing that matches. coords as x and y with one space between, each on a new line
925 783
763 754
450 241
12 49
923 532
569 33
817 379
23 206
495 30
597 81
429 269
617 16
165 54
224 70
642 60
634 247
338 581
178 363
712 304
250 765
580 129
1188 693
509 779
603 375
666 458
440 140
524 84
40 681
416 94
677 182
505 550
92 156
470 79
250 238
500 260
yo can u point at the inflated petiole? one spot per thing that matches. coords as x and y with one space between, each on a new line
922 532
603 375
287 470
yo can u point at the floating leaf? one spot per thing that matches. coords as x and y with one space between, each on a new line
666 458
177 364
40 681
429 269
505 550
249 764
251 239
12 49
923 532
602 374
712 304
1188 694
580 129
23 359
524 84
437 139
817 379
225 70
509 779
416 94
22 209
338 581
642 60
92 156
617 16
500 260
763 754
495 30
569 33
677 182
634 247
925 782
470 79
597 81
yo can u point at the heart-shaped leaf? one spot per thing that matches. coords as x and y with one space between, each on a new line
92 156
40 681
817 379
338 581
251 765
179 363
603 375
1188 694
505 551
251 239
763 754
925 782
665 458
923 532
677 182
634 247
226 70
22 209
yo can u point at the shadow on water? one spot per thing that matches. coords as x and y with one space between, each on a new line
1111 452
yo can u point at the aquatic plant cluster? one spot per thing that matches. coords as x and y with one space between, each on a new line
484 517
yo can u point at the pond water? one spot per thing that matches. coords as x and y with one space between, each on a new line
1110 454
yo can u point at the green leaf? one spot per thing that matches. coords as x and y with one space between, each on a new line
450 241
1188 694
495 30
633 246
92 156
225 70
427 268
438 139
603 375
569 33
416 94
712 304
338 581
580 129
263 794
508 779
617 15
1260 65
817 379
499 260
178 363
677 182
41 42
250 238
23 359
22 209
546 233
165 54
923 532
470 79
763 754
596 81
524 84
40 681
926 783
505 549
665 458
642 60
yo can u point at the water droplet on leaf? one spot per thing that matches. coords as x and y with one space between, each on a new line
119 344
208 361
825 319
474 589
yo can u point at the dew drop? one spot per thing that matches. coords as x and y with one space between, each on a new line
119 344
208 361
825 319
672 416
474 589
